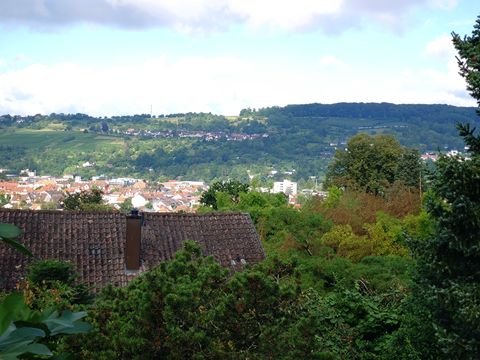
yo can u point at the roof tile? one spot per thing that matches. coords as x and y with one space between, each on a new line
95 242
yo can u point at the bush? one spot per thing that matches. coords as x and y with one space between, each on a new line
51 283
46 272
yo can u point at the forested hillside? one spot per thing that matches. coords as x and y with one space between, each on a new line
207 147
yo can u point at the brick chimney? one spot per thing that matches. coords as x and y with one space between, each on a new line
134 235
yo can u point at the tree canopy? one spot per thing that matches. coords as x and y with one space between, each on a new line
446 297
232 188
86 201
372 163
468 59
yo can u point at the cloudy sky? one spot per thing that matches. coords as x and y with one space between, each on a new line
108 57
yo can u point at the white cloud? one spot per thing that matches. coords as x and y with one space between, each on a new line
329 15
333 61
440 47
220 84
283 14
444 4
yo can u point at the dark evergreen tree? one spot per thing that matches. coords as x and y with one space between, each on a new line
448 276
468 59
447 295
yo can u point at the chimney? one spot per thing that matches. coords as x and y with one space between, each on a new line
134 235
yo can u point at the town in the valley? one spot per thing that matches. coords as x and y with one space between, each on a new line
30 191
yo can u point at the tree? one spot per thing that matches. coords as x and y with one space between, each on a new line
232 187
372 163
104 126
468 59
126 207
409 169
448 279
86 201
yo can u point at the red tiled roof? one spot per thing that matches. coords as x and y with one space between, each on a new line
95 242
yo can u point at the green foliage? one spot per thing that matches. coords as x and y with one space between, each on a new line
192 308
372 163
49 205
232 188
126 207
86 201
468 59
448 278
52 283
45 272
333 196
24 331
296 137
384 237
8 235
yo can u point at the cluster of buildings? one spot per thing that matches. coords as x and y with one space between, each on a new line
47 192
32 192
198 134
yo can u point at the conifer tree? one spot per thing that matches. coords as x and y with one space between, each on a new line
468 59
448 275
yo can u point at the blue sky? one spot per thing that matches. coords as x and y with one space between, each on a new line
110 57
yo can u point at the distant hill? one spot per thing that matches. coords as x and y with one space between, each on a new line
207 146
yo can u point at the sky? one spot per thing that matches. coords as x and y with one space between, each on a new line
114 57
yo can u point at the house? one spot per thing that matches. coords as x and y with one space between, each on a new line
138 201
111 248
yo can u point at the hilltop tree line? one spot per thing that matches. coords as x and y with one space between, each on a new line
301 137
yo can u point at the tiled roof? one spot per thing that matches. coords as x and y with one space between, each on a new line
95 242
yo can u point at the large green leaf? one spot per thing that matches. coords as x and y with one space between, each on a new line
8 234
13 352
16 245
9 231
13 308
23 335
67 323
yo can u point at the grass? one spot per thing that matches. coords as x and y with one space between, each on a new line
61 140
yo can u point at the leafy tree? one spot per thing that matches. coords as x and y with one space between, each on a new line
52 283
357 208
384 237
86 201
232 187
126 207
409 169
372 163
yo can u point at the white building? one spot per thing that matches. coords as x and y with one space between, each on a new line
139 201
287 187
